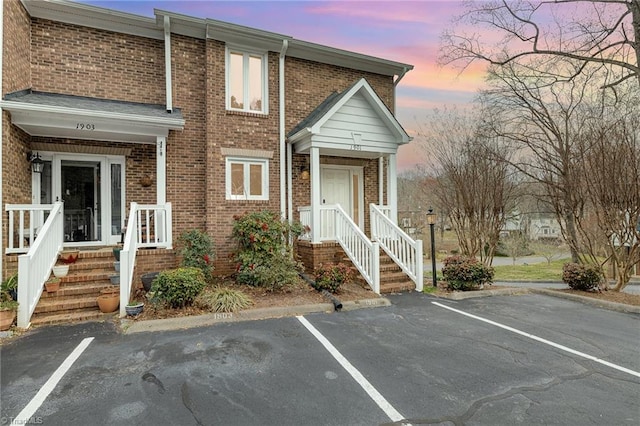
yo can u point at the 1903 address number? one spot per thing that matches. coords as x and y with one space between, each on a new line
85 126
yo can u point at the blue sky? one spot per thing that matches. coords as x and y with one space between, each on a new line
403 31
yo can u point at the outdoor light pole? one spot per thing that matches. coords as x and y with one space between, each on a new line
431 220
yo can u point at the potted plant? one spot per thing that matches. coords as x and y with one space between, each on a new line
10 286
52 284
147 280
69 256
108 302
134 308
60 270
116 253
8 312
115 279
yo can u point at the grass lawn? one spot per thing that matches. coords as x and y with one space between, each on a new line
535 272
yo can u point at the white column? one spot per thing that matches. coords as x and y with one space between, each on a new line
381 181
392 188
161 170
161 182
315 195
167 63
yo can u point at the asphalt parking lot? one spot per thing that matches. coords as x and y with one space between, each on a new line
530 359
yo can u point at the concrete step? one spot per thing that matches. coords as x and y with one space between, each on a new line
397 287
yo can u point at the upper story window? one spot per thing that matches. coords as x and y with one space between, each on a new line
246 81
247 179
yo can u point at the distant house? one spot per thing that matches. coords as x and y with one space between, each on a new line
133 130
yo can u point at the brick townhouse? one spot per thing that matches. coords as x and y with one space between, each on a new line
123 129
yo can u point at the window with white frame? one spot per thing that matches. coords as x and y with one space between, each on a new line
246 81
247 179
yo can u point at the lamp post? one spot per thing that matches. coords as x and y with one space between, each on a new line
431 220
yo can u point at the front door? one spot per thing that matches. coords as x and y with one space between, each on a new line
91 188
341 185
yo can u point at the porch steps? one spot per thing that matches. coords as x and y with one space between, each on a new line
76 299
392 278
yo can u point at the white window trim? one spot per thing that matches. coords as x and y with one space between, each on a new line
265 78
246 162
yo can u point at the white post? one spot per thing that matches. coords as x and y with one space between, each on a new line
392 188
161 183
419 270
315 195
167 63
381 181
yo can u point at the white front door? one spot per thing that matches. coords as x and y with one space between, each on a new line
91 188
341 185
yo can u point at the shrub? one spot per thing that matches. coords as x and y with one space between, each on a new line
197 251
224 300
178 287
264 256
466 273
273 273
331 276
581 277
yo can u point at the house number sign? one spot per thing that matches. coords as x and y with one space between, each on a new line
356 147
85 126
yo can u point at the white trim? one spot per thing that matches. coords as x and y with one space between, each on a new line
247 53
316 232
246 162
381 181
1 119
284 165
392 188
161 170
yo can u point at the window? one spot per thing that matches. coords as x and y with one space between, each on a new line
247 179
246 81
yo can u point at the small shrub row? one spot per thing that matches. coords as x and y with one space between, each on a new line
178 287
466 273
581 277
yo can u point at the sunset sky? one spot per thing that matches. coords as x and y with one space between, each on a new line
404 31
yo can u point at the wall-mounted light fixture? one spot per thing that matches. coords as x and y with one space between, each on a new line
37 165
304 172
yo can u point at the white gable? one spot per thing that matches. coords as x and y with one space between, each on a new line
358 125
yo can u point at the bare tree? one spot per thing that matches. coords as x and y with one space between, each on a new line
547 249
596 34
610 153
474 186
515 244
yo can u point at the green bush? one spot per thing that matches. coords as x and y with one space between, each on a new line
581 277
197 250
330 276
264 256
224 300
178 287
466 273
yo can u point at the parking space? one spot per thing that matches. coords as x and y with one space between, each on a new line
419 361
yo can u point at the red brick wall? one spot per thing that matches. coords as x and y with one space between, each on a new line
75 60
16 72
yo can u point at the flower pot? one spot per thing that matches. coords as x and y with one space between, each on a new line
134 310
115 279
116 253
6 319
108 302
52 286
116 265
70 256
147 280
61 270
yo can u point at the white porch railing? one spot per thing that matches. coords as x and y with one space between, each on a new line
364 254
29 218
327 222
34 267
148 226
406 252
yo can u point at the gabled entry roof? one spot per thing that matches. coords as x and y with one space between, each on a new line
78 117
353 123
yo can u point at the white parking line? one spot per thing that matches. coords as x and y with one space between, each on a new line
393 414
28 411
545 341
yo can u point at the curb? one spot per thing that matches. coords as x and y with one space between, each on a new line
613 306
181 323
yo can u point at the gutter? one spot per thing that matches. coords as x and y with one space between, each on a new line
284 165
405 70
167 63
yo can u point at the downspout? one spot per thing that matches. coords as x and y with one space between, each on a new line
167 63
405 70
284 166
1 116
